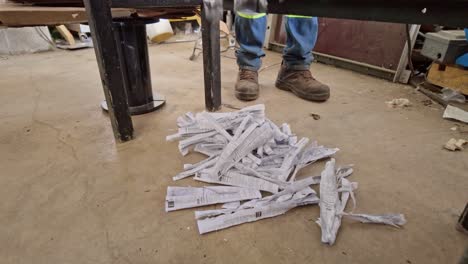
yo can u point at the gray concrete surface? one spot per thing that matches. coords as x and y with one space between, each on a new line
69 194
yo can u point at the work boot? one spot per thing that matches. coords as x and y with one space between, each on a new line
247 87
302 84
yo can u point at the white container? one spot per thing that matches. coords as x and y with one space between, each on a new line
159 32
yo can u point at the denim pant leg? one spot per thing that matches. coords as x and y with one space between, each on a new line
250 34
301 36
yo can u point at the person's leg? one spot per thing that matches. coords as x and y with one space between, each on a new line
294 75
250 34
301 36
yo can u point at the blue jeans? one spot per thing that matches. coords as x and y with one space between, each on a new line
301 36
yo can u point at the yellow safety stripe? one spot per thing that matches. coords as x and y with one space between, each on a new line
298 16
251 16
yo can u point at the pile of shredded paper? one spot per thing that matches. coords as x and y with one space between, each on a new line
249 153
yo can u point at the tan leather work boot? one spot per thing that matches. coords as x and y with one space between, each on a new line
247 87
302 84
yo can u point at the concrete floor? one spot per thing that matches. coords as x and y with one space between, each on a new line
71 195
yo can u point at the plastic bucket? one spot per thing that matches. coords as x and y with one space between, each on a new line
159 32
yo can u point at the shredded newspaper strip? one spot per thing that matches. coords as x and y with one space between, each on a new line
247 153
331 206
395 220
187 197
297 194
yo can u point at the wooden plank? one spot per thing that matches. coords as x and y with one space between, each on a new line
63 30
13 15
449 77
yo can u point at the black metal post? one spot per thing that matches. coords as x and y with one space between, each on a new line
108 55
132 35
462 224
211 15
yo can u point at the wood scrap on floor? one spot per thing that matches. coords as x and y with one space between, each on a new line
455 144
246 150
66 34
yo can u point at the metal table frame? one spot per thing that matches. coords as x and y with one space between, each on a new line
110 58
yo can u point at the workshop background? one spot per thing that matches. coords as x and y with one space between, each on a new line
72 192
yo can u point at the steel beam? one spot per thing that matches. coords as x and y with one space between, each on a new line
448 13
154 3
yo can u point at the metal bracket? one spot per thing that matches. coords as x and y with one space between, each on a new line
401 75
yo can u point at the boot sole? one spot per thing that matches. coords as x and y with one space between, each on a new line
246 96
310 97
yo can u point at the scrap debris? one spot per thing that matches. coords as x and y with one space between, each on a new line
248 152
427 102
450 95
454 144
399 102
315 116
453 112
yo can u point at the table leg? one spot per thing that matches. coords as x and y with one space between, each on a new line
211 15
108 55
135 59
463 221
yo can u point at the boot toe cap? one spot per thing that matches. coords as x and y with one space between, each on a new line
246 90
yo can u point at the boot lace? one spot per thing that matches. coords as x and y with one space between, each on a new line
304 74
248 75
